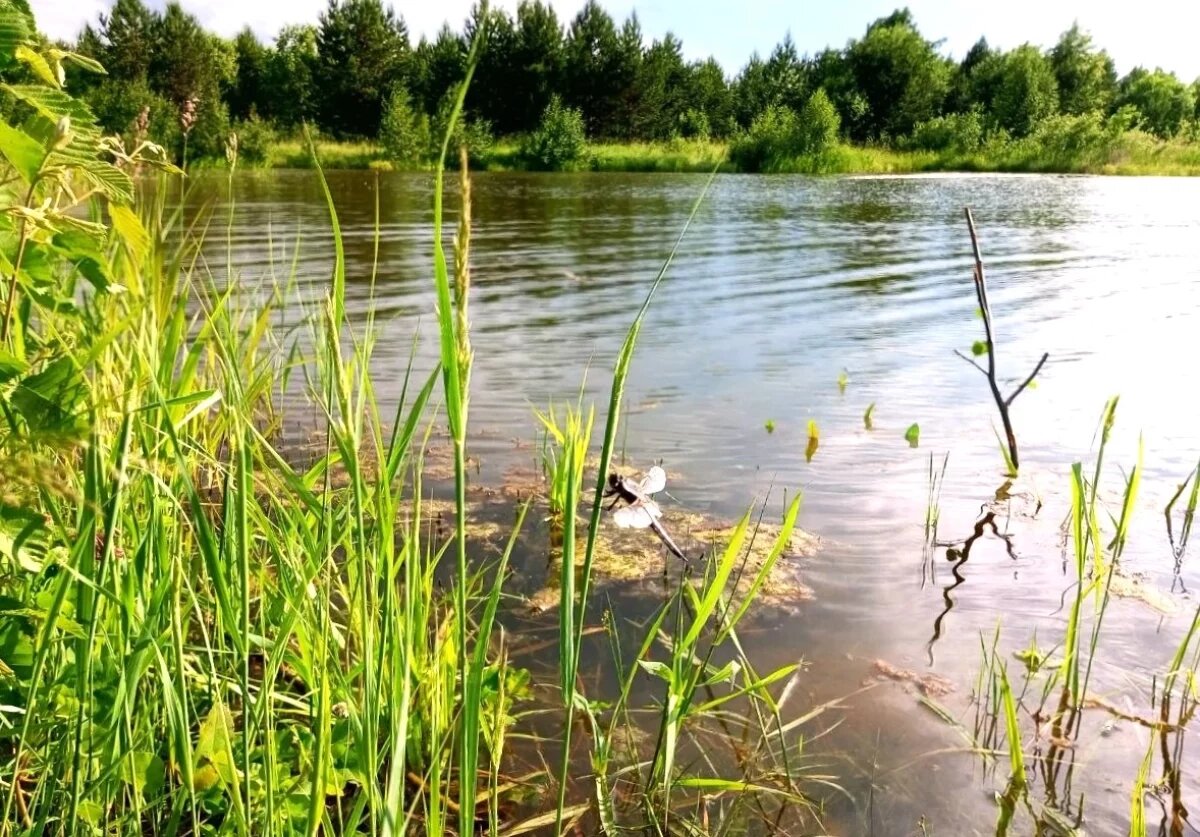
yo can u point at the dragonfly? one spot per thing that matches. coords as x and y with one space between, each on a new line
639 510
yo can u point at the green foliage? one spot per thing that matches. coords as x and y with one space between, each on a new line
473 132
436 68
891 89
126 107
404 132
54 168
661 89
190 65
560 141
960 133
1026 90
538 60
600 68
819 124
290 86
710 100
1087 79
255 140
779 136
362 51
900 74
694 124
770 140
247 95
1162 101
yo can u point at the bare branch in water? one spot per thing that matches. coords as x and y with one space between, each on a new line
1002 403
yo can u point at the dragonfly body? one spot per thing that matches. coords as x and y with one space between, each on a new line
639 510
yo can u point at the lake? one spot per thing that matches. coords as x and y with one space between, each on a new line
782 285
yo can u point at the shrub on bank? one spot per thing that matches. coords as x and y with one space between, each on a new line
959 133
779 136
256 138
475 134
560 141
403 132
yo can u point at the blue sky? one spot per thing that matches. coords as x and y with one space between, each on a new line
1152 33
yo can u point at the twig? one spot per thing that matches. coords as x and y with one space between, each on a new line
1029 380
971 361
1002 403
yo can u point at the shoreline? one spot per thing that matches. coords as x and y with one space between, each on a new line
1161 159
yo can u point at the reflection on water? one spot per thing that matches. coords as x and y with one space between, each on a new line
783 283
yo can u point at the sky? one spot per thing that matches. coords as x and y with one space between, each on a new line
1154 33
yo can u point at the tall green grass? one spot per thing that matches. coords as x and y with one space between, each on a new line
206 630
1057 687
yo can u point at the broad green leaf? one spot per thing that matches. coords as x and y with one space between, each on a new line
54 105
979 348
112 182
22 537
39 65
22 152
128 227
214 747
16 644
145 772
52 401
15 29
814 441
82 61
660 670
84 249
913 435
11 366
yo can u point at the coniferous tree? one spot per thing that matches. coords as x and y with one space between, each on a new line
362 51
248 93
591 53
538 61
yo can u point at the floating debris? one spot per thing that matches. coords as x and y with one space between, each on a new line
928 684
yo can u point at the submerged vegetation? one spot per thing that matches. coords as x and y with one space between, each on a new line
1038 714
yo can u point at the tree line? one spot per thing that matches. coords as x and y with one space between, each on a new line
357 71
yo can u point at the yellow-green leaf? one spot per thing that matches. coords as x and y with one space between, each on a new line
22 152
145 772
40 66
131 233
913 435
89 64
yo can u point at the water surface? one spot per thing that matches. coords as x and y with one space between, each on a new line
781 285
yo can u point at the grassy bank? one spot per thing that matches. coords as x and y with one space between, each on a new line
1131 155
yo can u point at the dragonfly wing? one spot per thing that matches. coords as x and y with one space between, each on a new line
654 481
634 517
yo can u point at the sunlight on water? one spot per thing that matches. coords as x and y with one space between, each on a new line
784 283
